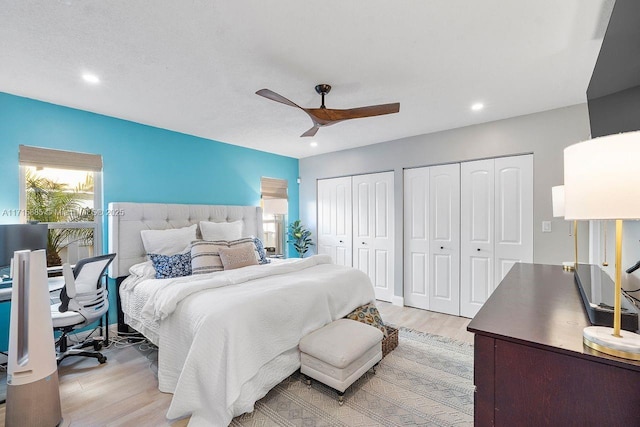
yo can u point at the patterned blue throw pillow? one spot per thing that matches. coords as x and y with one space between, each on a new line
261 252
168 266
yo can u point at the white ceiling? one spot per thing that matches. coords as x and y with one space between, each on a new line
193 66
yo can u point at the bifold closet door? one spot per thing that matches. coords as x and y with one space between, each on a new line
335 219
496 226
444 238
477 235
373 230
432 238
513 213
416 238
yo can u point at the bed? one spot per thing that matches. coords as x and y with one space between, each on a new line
224 338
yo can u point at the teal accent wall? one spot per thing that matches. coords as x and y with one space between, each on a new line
141 164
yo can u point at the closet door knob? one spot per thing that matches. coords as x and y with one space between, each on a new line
341 241
478 249
441 247
364 243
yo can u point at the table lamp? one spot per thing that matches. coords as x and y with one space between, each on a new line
602 181
557 200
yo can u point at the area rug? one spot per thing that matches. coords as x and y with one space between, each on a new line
426 381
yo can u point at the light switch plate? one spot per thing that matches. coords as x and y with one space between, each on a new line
546 226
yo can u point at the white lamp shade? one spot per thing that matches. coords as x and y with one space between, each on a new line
557 198
602 178
276 206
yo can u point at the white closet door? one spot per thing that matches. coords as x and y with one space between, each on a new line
476 235
416 238
373 225
513 213
444 227
335 220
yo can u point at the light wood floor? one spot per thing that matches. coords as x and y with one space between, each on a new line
124 391
426 321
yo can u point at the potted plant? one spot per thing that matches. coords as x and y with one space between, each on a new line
300 237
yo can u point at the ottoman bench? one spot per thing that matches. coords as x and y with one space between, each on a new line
339 353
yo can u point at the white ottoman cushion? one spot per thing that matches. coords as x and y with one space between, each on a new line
340 352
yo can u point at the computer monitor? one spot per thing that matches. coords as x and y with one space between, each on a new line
16 237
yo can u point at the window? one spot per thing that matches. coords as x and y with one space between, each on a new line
275 206
64 190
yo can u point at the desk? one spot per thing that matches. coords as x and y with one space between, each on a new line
530 365
55 284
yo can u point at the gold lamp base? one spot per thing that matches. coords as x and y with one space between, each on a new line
601 338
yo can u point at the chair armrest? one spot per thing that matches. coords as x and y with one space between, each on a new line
69 280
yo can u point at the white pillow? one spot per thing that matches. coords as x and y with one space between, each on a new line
143 270
168 242
214 231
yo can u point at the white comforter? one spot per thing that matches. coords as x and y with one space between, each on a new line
226 338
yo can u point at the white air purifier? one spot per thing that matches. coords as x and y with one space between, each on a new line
33 397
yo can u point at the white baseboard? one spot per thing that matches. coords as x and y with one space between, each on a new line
399 301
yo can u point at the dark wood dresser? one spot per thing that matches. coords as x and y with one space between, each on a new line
531 368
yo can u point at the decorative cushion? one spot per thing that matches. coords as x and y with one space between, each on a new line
238 256
168 242
168 266
370 315
262 254
205 255
216 231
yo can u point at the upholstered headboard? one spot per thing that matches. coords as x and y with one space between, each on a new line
126 220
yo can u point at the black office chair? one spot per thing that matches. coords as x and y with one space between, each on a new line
83 301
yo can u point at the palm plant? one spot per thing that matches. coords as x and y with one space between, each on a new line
50 201
300 237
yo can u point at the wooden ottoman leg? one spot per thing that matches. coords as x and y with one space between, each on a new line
307 380
340 397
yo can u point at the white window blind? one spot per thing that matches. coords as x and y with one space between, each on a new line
46 157
273 188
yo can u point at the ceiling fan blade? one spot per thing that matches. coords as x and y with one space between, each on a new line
327 116
311 132
269 94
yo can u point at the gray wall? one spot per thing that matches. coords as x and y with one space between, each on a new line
544 134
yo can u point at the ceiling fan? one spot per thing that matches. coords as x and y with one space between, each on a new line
324 116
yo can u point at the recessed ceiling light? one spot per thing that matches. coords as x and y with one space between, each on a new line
313 144
90 78
477 106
